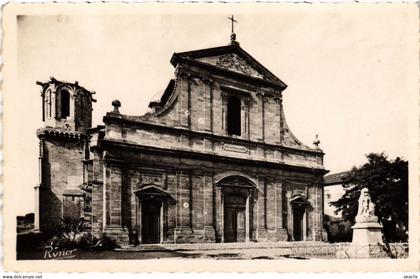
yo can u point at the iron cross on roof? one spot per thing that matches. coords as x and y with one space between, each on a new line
232 19
233 35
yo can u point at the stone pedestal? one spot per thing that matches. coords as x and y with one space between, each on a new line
366 236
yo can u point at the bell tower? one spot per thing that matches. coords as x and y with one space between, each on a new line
66 105
64 156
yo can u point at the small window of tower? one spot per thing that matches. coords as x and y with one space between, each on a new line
49 103
234 116
82 107
65 104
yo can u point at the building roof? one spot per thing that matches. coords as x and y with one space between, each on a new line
57 83
241 57
335 178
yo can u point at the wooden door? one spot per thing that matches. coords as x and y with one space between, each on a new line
298 223
150 229
234 219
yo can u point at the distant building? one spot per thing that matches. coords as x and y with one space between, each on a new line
25 223
337 229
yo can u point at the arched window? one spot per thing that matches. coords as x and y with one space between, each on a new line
82 107
234 116
65 104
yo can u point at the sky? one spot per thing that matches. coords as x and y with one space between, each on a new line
348 71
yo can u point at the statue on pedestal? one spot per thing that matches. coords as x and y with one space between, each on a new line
367 232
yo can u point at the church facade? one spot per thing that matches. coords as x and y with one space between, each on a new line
213 160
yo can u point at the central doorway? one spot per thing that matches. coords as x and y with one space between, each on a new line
234 218
150 219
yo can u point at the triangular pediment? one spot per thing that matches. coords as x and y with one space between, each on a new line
231 58
153 190
233 62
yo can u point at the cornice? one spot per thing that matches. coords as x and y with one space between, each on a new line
61 134
197 155
120 119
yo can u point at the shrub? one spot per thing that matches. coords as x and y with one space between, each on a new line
105 244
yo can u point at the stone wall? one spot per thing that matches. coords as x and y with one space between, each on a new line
62 169
158 136
196 215
391 250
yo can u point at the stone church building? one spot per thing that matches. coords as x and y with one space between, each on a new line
213 160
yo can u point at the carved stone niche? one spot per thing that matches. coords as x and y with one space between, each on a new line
151 178
298 190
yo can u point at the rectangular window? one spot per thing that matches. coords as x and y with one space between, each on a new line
234 116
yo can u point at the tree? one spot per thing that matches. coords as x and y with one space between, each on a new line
387 181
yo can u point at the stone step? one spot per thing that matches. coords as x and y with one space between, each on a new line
221 246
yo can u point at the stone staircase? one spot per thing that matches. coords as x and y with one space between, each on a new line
222 246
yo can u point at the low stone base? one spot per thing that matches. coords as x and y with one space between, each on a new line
274 235
119 234
209 234
282 235
186 235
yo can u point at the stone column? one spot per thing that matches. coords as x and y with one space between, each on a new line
270 204
115 181
279 204
261 210
197 185
133 201
113 202
281 231
261 124
184 214
245 117
37 211
139 216
183 100
38 188
247 220
224 96
162 222
219 213
255 223
316 214
72 111
208 210
211 86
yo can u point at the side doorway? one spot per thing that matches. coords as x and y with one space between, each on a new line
298 213
150 220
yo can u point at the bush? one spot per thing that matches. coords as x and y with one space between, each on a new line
105 244
85 241
69 234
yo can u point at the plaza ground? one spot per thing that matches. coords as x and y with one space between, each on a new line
219 251
238 254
